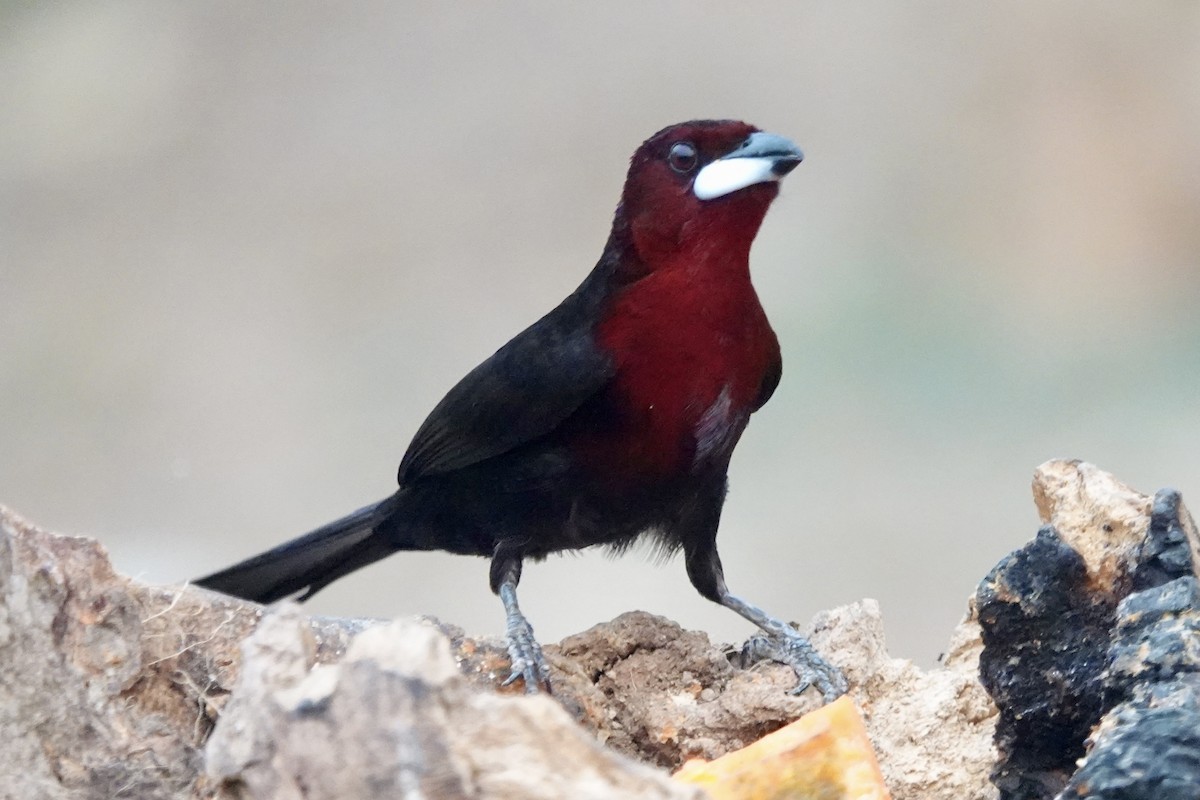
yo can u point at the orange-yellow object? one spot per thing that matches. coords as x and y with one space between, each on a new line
824 755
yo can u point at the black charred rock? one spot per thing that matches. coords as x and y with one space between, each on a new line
1166 553
1046 636
1148 746
1157 642
1150 754
1072 670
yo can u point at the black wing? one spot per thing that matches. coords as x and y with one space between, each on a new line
525 390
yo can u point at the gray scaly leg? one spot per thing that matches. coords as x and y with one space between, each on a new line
784 644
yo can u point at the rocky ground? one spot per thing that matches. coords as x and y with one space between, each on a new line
111 688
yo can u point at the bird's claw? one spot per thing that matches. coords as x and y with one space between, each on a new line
528 663
798 653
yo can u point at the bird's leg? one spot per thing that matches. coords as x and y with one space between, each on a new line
785 644
782 642
523 649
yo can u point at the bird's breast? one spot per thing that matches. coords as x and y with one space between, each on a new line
689 366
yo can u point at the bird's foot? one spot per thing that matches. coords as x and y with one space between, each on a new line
528 663
798 653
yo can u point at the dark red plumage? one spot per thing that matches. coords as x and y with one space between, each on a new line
613 416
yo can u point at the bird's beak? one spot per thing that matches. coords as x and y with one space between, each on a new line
762 157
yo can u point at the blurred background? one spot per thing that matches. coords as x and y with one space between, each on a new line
245 248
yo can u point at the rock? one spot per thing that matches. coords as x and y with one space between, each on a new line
825 753
393 718
1147 747
111 689
933 730
1171 548
116 689
105 689
649 689
1067 635
1045 635
1097 516
665 695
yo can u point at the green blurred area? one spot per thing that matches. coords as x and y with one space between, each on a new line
244 249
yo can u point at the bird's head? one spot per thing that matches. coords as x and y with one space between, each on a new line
701 188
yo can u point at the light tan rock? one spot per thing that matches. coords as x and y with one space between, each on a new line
112 689
1100 517
666 695
393 718
932 729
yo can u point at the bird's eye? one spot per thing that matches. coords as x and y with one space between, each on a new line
682 157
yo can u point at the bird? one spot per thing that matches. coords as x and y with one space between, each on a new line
610 419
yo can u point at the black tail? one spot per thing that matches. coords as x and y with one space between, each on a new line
309 562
